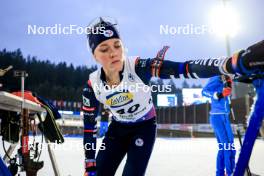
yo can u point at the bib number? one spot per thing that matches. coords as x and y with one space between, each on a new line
130 110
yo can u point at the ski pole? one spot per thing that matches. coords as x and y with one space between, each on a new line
238 131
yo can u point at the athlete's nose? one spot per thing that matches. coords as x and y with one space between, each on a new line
112 53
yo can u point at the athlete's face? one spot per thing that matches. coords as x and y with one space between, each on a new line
110 54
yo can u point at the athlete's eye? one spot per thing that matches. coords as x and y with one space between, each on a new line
103 50
117 46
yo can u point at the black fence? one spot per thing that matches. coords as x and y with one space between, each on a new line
199 114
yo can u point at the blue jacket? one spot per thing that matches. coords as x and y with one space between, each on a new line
213 86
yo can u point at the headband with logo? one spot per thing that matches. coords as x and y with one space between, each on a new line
101 32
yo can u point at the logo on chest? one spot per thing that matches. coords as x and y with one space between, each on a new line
119 99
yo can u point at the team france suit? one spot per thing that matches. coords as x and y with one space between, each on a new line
219 119
132 131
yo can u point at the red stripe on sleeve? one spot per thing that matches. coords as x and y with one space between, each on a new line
187 68
88 109
89 83
88 131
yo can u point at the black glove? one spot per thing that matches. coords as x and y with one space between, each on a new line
219 95
227 81
249 61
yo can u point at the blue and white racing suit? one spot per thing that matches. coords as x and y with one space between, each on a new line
219 119
132 131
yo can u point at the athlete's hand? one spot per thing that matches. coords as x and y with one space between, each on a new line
90 167
249 61
218 95
227 81
90 174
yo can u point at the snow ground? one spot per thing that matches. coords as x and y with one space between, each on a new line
170 157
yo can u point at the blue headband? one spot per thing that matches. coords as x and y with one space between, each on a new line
101 32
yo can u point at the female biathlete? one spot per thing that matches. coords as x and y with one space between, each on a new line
120 84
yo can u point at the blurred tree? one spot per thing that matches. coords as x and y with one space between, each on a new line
50 80
185 84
